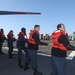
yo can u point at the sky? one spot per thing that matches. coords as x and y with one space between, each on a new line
53 12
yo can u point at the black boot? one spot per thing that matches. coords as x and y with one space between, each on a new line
37 73
26 67
19 63
10 56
